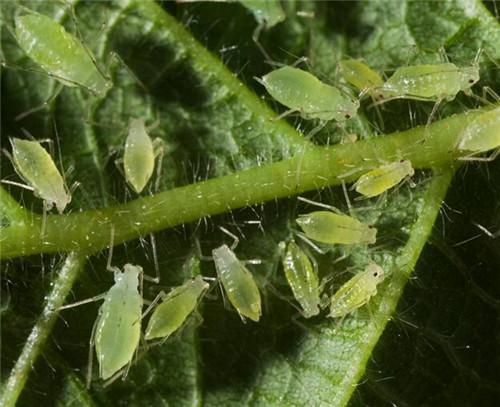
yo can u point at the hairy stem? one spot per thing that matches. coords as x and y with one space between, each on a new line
43 327
313 168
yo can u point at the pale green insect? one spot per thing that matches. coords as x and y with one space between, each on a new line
360 75
331 228
176 306
239 284
481 135
356 292
36 167
304 93
59 53
118 325
302 278
140 154
381 179
428 82
267 13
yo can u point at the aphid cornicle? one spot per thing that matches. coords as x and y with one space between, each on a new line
36 167
59 53
481 134
304 93
356 292
118 326
301 277
332 228
428 82
360 75
238 283
381 179
174 309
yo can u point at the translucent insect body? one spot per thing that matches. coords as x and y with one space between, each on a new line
304 93
360 75
482 134
239 284
59 53
381 179
36 167
329 227
356 292
174 309
118 325
302 278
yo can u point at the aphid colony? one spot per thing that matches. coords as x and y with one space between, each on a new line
117 330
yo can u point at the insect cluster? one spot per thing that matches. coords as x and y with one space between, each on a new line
117 330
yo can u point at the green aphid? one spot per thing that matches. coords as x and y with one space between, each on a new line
238 283
333 228
481 134
36 167
59 53
304 93
360 75
267 13
356 292
381 179
175 308
302 278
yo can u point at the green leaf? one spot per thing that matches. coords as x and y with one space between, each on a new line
197 82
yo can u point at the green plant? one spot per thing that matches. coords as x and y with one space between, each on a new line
216 128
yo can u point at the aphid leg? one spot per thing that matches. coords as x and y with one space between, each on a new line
486 231
431 116
119 59
159 152
316 129
199 253
255 38
284 114
347 200
17 184
489 158
41 106
304 238
82 302
488 91
91 353
109 267
155 279
160 296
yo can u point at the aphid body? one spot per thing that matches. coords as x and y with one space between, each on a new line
360 75
428 82
118 325
482 134
139 156
381 179
302 92
331 228
267 13
35 165
302 278
175 307
59 53
239 284
357 291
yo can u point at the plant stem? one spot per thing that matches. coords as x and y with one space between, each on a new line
43 327
313 168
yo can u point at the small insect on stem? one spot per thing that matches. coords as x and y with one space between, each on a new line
239 284
332 228
302 278
480 135
36 167
356 292
302 92
360 75
381 179
175 308
59 53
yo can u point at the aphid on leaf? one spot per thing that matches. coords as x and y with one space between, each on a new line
381 179
36 167
140 154
304 93
175 308
238 283
480 135
356 292
332 228
59 53
360 75
302 278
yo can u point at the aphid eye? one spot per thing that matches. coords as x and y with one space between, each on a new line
347 116
375 274
471 80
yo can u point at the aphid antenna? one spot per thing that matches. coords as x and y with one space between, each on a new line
486 231
45 103
304 238
17 184
236 240
321 205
